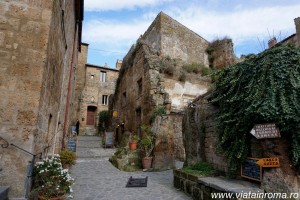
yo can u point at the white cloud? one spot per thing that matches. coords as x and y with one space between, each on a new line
103 5
113 36
240 25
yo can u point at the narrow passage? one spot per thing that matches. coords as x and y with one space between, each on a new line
96 178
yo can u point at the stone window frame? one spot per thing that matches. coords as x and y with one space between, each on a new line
103 75
104 100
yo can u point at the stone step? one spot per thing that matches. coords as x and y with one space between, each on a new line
89 144
88 138
4 192
94 152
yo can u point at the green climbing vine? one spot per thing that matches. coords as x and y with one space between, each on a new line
264 88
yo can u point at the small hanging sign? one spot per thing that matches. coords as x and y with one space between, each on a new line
262 131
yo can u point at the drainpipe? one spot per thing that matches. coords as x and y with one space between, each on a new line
69 87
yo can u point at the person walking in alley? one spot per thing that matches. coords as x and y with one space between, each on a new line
77 127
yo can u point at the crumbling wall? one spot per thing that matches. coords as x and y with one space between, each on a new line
170 38
220 53
199 135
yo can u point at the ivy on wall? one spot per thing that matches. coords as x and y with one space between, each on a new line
264 88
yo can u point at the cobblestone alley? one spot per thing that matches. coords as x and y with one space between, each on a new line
95 177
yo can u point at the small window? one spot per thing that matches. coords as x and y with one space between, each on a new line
102 76
140 87
104 99
92 76
124 98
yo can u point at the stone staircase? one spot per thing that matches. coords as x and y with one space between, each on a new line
90 130
90 147
4 192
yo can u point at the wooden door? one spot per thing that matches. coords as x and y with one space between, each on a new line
91 112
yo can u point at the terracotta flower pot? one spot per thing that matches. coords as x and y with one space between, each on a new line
147 162
132 145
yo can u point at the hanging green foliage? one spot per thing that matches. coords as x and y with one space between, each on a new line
264 88
103 120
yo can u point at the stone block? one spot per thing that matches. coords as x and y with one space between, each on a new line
22 12
31 27
5 55
26 118
2 39
14 23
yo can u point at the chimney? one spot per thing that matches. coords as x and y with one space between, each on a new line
272 42
118 64
297 24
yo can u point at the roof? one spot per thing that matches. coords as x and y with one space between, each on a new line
101 67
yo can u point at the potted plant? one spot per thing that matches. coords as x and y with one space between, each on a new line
147 145
50 180
67 158
133 142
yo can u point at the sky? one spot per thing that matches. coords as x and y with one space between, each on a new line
111 27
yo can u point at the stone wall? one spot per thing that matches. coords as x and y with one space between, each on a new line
170 38
80 81
199 135
36 55
169 44
93 91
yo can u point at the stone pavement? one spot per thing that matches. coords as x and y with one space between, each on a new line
96 178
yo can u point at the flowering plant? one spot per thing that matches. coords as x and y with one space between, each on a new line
50 179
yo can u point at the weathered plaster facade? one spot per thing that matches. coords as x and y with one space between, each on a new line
38 51
95 85
143 86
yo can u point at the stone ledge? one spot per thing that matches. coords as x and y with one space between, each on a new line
229 185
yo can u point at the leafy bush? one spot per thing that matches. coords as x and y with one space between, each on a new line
67 157
194 67
200 168
264 88
148 144
103 120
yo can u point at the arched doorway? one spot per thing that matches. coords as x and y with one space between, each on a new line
91 115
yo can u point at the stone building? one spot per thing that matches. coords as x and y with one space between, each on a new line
155 78
293 39
95 85
39 43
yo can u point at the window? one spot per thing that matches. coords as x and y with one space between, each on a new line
104 99
124 98
140 87
92 76
102 76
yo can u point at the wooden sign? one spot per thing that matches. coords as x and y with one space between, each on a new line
109 139
268 162
72 145
251 170
261 131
